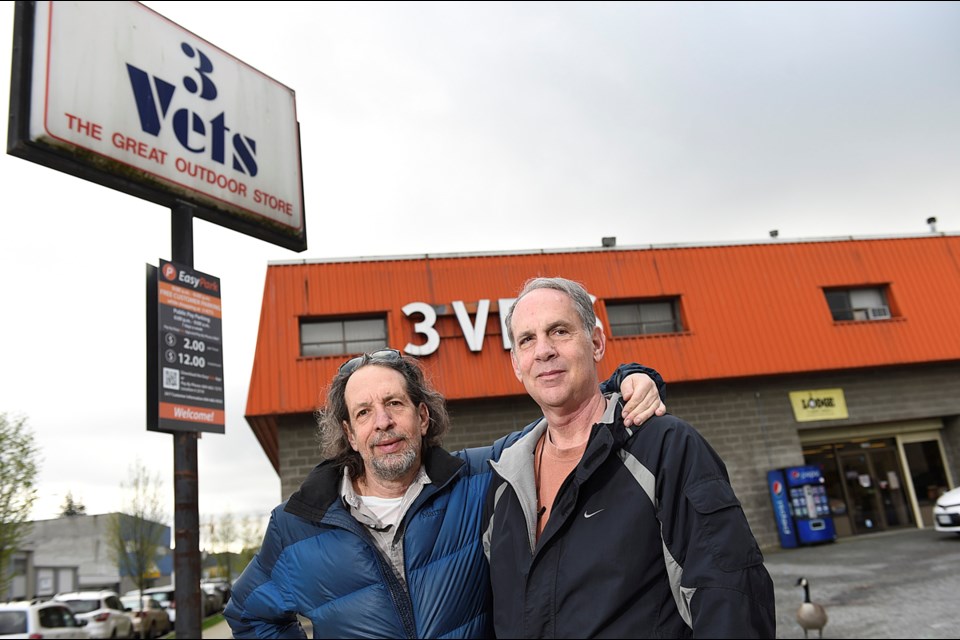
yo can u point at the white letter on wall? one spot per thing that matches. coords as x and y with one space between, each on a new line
504 305
593 299
425 327
473 333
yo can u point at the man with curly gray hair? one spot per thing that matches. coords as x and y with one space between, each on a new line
334 441
383 538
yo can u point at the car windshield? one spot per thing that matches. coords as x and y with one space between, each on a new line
131 603
162 598
12 622
83 606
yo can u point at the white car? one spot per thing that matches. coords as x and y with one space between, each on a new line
102 611
946 513
166 596
150 620
39 620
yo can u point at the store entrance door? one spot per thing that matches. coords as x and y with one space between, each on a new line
893 493
875 493
878 481
862 500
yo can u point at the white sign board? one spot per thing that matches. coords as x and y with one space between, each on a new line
125 90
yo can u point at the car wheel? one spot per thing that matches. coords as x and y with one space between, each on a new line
151 631
113 634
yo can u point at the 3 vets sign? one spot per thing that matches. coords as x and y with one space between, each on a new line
118 94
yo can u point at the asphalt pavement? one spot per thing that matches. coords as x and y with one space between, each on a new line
899 584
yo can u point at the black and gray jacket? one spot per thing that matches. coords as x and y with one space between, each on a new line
646 539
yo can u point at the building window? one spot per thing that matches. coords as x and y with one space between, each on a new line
644 317
342 337
865 303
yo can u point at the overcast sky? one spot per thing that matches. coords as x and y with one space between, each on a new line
447 127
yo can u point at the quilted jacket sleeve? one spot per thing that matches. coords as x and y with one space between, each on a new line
616 379
257 606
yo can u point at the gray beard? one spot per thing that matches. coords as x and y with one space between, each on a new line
394 466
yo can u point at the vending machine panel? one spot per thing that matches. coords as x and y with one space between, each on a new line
801 506
809 505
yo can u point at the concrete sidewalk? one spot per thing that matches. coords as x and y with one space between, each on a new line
219 630
901 584
222 630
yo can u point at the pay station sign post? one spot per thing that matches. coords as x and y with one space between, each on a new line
184 350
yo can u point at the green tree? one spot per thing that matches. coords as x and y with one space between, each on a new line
71 507
19 466
136 532
222 534
251 535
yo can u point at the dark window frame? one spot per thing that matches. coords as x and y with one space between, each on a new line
843 309
345 344
641 327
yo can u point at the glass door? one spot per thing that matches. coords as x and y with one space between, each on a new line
928 473
864 498
890 485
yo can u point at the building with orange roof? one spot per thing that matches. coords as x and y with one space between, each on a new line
837 352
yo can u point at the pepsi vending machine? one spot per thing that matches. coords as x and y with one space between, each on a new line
801 506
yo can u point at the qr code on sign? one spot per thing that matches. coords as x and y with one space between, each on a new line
171 379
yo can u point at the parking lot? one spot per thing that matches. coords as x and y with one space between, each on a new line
901 584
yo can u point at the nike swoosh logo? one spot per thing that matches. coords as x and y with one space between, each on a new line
590 515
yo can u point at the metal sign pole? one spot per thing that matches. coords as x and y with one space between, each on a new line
186 517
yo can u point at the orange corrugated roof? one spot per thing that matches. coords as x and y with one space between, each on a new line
749 309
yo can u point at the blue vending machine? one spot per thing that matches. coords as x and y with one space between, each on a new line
801 506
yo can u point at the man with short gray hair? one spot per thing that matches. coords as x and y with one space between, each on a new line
598 529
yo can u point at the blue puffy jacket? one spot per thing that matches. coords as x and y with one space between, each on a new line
317 561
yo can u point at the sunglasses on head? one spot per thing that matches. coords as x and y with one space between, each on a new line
387 355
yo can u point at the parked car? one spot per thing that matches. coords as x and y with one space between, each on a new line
102 610
946 513
165 596
212 599
40 620
211 602
220 584
150 620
